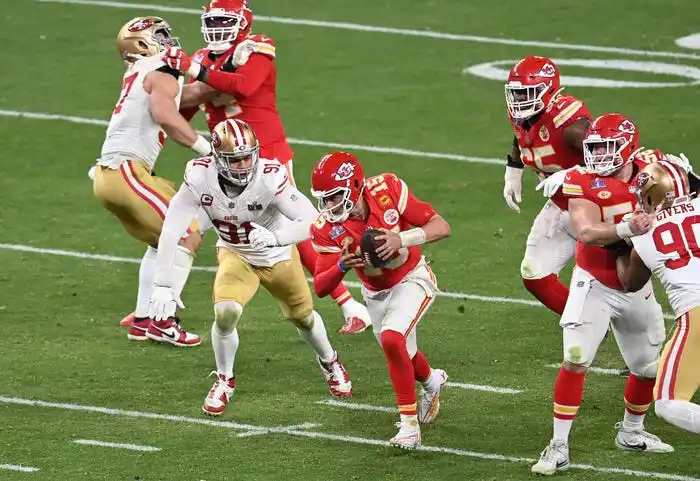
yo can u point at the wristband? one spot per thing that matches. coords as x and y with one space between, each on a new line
623 230
201 146
194 70
342 269
412 237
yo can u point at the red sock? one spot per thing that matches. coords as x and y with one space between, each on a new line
639 393
308 258
568 391
549 291
421 368
400 371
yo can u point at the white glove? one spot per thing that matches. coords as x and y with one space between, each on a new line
513 189
553 183
242 52
163 303
680 161
261 237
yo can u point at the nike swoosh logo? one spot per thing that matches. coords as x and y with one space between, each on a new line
640 447
166 334
561 464
647 296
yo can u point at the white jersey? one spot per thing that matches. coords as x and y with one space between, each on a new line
132 134
232 215
670 250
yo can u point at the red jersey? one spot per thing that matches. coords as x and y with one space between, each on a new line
542 145
391 206
249 93
615 199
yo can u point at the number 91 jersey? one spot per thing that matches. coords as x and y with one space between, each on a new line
670 251
232 215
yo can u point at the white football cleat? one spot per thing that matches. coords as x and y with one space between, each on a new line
219 395
429 402
555 457
336 376
169 331
639 440
408 436
356 317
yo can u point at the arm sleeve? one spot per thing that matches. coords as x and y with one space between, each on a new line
327 274
245 81
181 211
296 207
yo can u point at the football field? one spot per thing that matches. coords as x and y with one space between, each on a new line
410 87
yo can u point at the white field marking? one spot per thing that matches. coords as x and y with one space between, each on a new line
278 429
357 406
18 467
104 444
133 260
390 30
331 437
479 387
593 369
314 143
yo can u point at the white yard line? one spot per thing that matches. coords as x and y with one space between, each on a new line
357 406
18 467
104 444
593 369
328 436
132 260
480 387
316 143
391 30
278 429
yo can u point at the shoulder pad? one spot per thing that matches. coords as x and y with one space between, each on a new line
273 175
567 109
197 172
263 45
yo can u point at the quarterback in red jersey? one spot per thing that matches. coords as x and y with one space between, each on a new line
603 207
549 127
400 289
235 77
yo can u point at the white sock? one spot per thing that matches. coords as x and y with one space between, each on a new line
562 428
147 272
633 422
225 346
682 414
317 338
433 382
181 269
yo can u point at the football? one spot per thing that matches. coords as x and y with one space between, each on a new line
368 248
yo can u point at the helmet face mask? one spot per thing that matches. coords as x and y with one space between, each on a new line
337 182
236 151
225 22
532 84
143 37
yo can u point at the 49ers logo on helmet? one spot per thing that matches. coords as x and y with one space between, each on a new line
344 172
627 126
642 179
215 140
547 70
140 25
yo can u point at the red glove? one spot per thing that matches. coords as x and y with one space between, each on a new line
177 59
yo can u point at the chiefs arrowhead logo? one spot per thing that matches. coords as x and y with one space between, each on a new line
547 70
141 24
215 140
627 126
344 172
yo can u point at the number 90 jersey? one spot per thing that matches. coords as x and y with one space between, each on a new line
542 145
670 250
232 216
615 199
132 134
391 206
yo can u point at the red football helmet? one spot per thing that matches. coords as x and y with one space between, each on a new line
340 175
225 22
611 142
531 85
